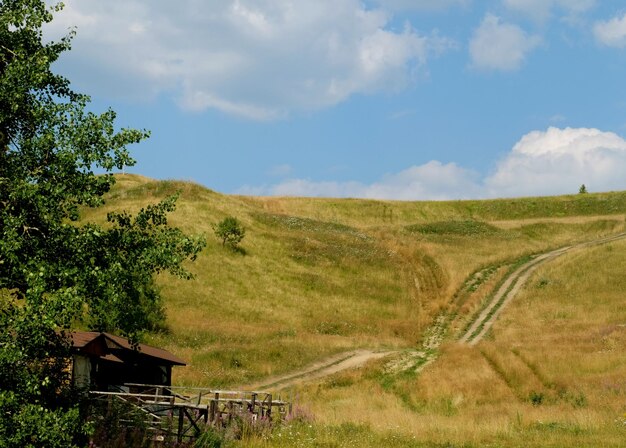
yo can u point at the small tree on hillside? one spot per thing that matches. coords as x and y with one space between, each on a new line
230 231
582 189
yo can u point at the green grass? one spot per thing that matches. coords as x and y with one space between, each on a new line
462 228
323 276
372 213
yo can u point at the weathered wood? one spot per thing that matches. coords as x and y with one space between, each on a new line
215 407
194 422
179 434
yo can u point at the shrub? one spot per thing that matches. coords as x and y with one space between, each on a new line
460 228
230 231
536 398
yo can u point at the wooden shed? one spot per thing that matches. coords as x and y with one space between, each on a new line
104 362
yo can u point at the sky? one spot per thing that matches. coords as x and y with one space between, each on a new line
384 99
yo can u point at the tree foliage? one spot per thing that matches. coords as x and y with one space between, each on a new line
230 231
56 272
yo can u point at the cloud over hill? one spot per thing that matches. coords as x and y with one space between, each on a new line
555 161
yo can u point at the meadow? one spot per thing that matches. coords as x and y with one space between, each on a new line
551 374
317 277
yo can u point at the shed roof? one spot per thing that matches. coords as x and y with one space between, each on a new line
82 339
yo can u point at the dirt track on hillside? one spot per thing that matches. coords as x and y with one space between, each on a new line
321 369
512 285
417 359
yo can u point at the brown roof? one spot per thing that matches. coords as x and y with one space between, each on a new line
81 339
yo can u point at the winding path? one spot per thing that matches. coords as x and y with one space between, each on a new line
321 369
511 286
419 358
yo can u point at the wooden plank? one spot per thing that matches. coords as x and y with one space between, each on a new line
213 406
193 423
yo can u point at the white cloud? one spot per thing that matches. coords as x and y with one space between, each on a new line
541 9
555 161
432 180
558 161
500 46
612 32
259 59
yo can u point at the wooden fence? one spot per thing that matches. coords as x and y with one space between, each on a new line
182 412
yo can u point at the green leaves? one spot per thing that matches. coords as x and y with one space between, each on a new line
55 273
52 145
230 231
120 262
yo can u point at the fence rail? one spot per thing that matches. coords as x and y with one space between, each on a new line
181 411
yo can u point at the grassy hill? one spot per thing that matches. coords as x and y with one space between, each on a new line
323 276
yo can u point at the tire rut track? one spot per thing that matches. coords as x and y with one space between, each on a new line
512 285
417 359
321 369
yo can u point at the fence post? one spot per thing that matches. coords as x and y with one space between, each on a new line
181 416
214 408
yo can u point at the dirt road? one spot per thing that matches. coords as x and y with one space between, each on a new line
511 286
417 359
400 360
321 369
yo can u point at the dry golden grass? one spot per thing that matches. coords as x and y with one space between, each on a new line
321 276
552 374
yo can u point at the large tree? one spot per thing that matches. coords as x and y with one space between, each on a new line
57 272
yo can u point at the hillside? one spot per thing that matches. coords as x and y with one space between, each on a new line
322 276
550 374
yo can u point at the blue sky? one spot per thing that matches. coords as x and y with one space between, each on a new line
400 99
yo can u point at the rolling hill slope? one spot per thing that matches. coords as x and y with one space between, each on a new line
324 276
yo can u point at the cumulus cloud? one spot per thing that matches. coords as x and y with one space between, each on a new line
500 46
558 161
259 59
433 180
541 9
555 161
612 32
